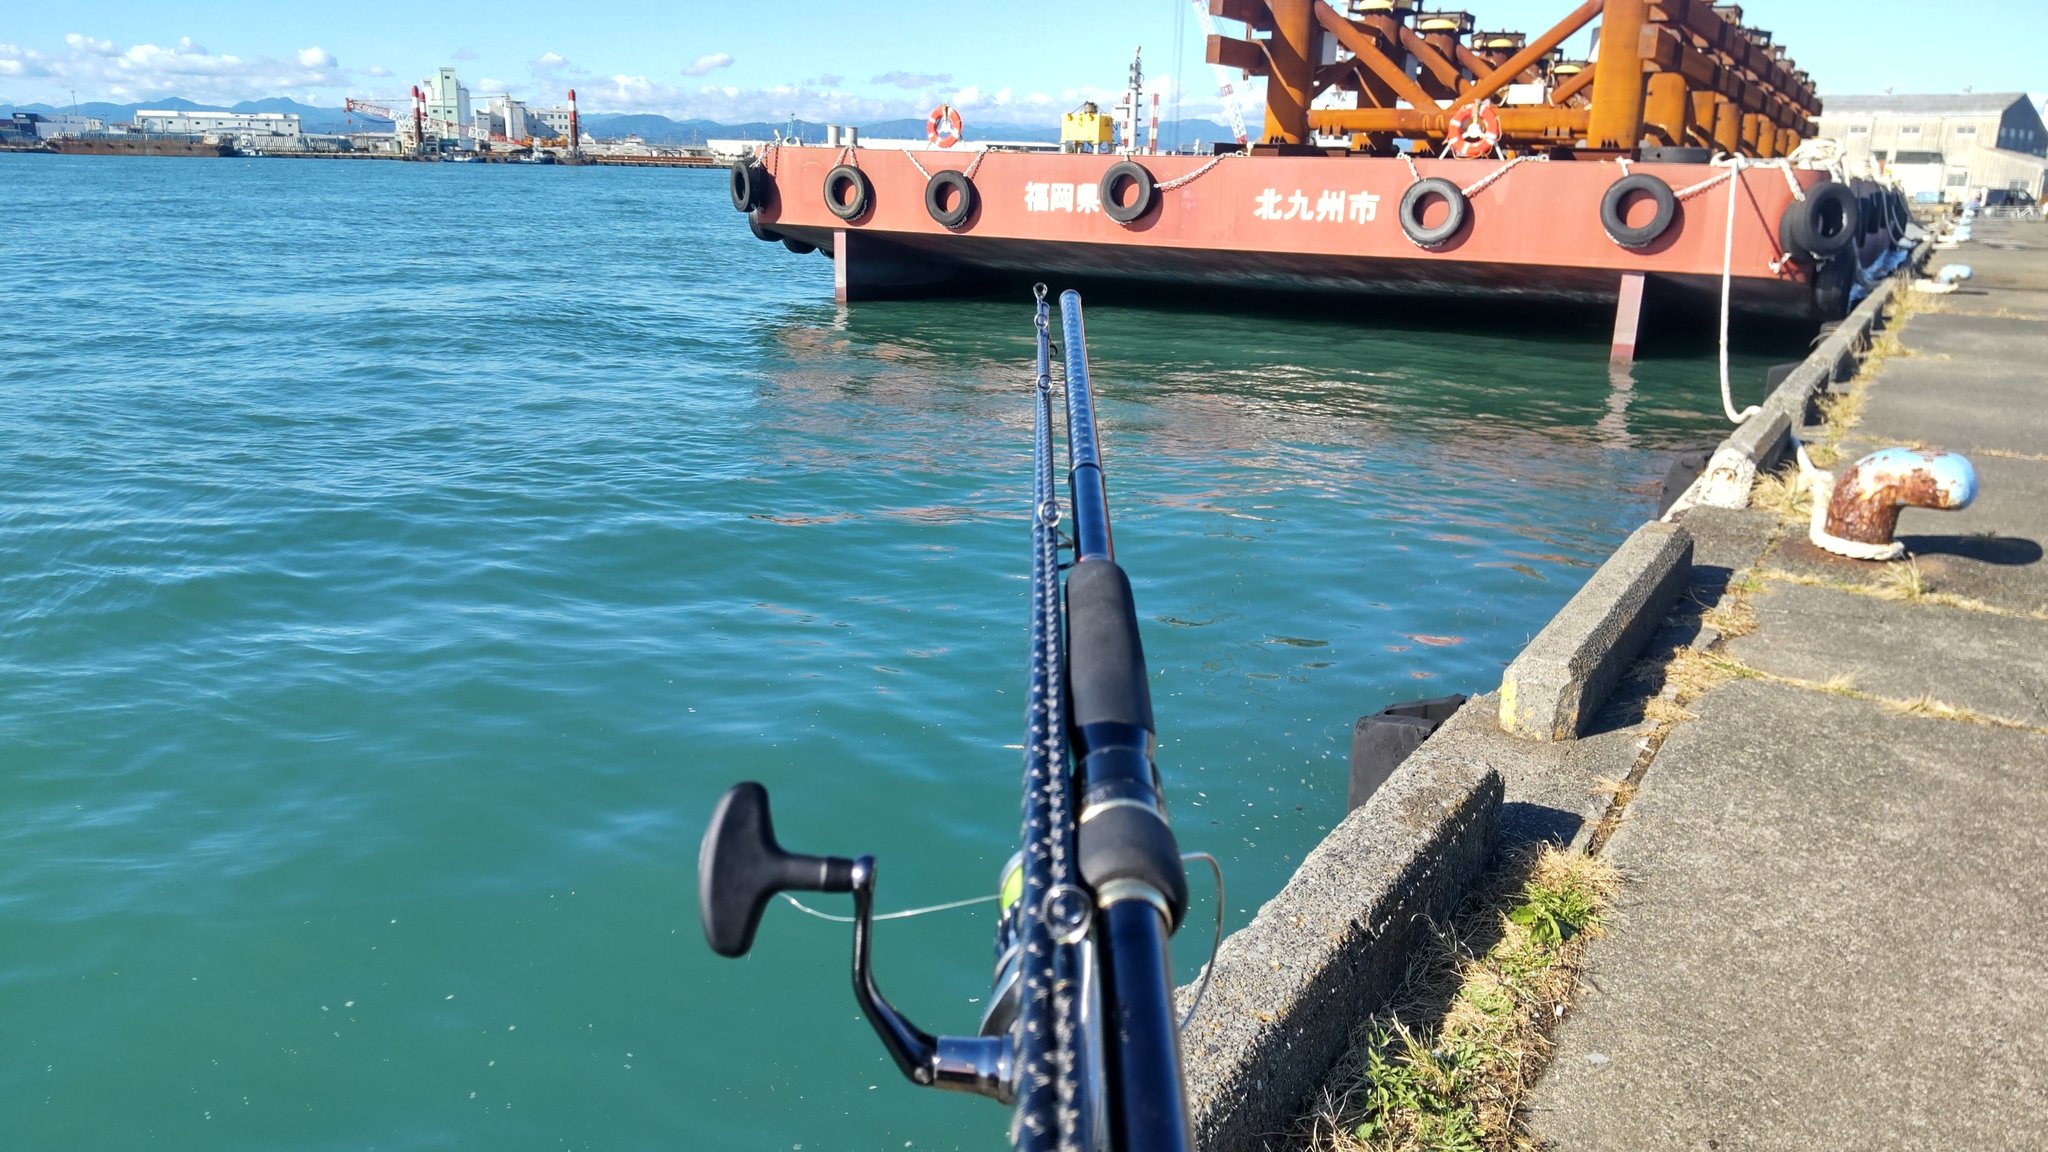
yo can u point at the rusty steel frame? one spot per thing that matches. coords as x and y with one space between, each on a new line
1670 72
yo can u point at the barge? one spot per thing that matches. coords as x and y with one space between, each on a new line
137 145
1461 165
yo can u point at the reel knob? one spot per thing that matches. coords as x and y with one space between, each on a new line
740 867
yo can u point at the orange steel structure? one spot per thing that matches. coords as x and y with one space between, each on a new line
1682 73
1428 190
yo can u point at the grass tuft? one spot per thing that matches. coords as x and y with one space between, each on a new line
1506 970
1902 580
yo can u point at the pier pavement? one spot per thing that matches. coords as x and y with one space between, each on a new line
1834 932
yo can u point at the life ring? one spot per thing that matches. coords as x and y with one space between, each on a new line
749 185
964 197
1615 203
942 127
1113 181
1411 212
1474 131
848 192
1824 223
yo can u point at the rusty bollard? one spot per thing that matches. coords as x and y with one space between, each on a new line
1862 512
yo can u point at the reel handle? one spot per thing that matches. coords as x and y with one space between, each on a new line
740 868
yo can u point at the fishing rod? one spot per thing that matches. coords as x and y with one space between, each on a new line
1079 1036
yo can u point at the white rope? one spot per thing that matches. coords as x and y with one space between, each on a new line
913 163
903 915
1503 170
1727 293
1623 161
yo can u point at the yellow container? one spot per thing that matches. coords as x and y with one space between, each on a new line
1086 128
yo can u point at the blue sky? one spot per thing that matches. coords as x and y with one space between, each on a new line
1008 60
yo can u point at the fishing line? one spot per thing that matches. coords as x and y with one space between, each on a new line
1216 943
903 915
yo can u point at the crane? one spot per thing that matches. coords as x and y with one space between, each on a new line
422 124
1224 87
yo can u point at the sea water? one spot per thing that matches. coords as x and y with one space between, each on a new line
400 559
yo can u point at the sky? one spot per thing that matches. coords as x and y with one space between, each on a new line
850 61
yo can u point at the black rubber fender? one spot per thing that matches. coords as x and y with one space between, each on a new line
838 182
750 184
967 198
762 232
800 247
1824 223
1112 187
1613 204
1832 282
1411 212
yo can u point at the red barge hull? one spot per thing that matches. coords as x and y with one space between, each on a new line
1311 224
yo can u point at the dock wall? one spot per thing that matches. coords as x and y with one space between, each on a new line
1331 950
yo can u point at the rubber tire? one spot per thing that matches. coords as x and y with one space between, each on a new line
1611 205
863 192
1803 229
768 235
1832 282
1148 191
969 200
1411 212
1900 216
749 185
797 246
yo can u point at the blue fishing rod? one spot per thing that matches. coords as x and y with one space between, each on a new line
1079 1036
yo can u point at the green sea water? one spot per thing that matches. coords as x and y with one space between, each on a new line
397 561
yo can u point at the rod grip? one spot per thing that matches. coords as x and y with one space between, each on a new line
1106 661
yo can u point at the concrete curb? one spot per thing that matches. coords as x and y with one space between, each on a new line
1563 677
1331 949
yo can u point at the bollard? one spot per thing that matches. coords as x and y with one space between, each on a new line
1858 515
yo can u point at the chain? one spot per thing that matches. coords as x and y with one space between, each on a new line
976 164
1488 181
1702 186
1190 178
913 163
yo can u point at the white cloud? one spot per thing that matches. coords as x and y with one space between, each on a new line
705 65
550 62
99 68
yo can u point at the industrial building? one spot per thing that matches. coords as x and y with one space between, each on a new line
247 131
1945 147
448 101
51 125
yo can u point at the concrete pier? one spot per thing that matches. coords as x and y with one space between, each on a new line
1832 932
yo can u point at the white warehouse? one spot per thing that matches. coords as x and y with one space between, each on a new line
252 131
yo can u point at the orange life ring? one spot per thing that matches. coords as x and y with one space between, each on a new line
943 127
1475 131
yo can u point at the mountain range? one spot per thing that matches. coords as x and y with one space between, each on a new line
655 129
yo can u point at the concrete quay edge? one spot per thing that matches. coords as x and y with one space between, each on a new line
1289 989
1556 686
1758 443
